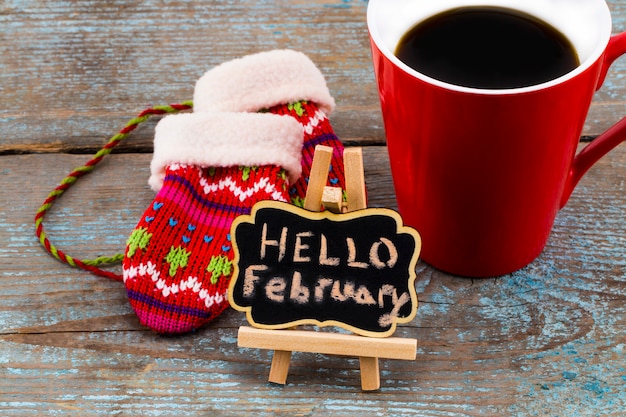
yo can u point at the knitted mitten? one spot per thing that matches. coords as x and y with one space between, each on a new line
207 169
282 82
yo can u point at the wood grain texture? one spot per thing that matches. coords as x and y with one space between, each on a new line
73 71
107 60
330 343
544 341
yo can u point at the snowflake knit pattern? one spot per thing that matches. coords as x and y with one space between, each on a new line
179 257
206 170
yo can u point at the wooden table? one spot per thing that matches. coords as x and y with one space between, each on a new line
545 341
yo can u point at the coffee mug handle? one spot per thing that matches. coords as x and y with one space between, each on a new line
601 145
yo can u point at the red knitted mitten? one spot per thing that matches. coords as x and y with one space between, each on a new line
207 169
281 82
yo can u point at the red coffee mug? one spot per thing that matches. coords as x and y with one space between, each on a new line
482 173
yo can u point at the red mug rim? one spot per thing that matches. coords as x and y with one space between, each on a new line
588 61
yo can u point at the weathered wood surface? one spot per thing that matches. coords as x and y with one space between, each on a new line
547 340
72 70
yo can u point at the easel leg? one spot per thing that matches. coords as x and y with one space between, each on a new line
370 373
355 179
280 367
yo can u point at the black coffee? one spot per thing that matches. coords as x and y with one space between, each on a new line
487 47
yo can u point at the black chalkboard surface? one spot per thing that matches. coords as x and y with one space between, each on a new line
353 270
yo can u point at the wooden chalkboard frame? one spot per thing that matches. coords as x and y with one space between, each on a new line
371 320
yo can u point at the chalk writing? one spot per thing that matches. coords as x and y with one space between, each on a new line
354 270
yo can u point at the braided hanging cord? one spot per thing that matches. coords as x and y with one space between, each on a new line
92 265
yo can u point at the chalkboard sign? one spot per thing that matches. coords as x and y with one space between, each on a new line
353 270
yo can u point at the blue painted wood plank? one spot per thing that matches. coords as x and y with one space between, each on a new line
547 340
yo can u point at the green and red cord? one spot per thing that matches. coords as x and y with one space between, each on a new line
93 265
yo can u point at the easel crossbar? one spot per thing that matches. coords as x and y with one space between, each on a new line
328 343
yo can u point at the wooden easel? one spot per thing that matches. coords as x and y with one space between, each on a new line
367 349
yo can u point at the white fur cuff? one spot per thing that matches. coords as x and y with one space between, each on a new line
261 81
226 139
